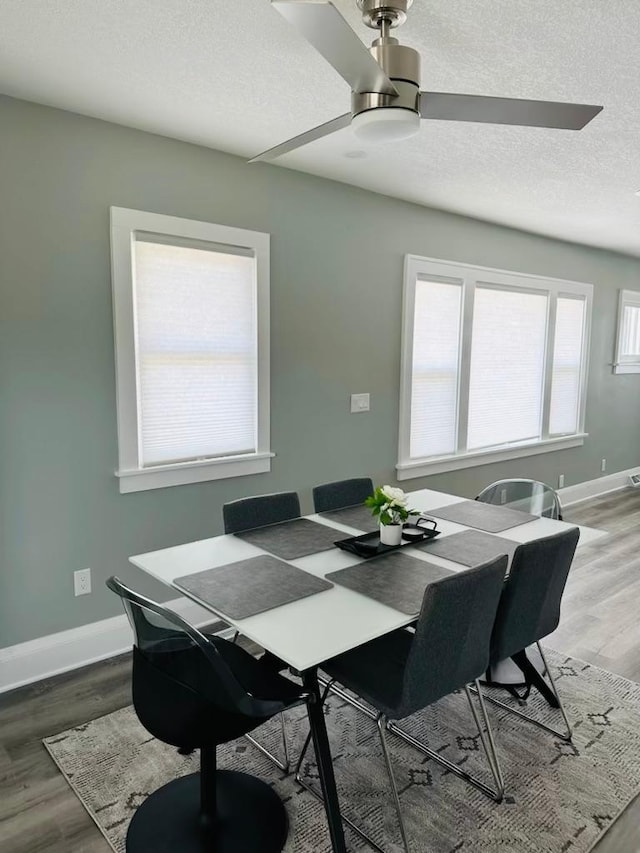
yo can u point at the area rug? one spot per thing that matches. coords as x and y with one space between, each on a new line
560 797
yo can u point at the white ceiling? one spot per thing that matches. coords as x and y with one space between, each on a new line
237 77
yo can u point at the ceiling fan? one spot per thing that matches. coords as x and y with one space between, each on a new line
386 101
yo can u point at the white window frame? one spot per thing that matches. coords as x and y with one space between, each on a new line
622 363
133 477
469 276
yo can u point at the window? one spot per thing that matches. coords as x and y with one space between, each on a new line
493 366
191 313
628 346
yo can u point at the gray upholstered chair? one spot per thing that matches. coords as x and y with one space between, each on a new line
527 495
401 673
342 493
529 610
247 514
535 498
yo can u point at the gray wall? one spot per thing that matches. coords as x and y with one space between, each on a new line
336 305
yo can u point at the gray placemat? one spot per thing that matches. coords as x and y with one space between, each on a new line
242 589
292 539
469 548
359 517
493 519
395 580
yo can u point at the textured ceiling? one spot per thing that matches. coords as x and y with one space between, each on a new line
237 77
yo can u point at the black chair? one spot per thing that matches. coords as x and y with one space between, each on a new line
247 514
401 673
529 610
529 496
194 692
342 493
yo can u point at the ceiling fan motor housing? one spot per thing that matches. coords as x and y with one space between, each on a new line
402 65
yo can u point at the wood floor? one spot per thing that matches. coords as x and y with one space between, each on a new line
40 814
600 621
600 606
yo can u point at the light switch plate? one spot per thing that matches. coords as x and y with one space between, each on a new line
359 403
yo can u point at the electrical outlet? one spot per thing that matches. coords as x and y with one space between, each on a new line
603 465
359 403
82 582
560 481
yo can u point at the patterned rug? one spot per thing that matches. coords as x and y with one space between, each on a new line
560 797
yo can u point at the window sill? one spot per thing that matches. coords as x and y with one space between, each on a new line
143 479
423 467
628 367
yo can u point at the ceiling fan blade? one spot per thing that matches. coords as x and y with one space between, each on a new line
449 107
324 27
310 136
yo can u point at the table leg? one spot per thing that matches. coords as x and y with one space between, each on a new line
325 763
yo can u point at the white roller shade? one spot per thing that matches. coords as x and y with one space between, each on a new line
436 350
196 342
567 366
507 367
630 338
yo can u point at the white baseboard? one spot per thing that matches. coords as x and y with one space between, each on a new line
595 488
57 653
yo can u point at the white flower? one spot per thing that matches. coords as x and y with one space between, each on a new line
395 496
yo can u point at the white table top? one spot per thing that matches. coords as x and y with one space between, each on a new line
307 632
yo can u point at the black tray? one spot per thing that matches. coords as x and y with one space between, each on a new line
369 544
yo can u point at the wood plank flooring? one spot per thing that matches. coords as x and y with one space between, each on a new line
600 621
38 811
40 814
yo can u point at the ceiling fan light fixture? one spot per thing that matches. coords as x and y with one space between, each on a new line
386 124
386 102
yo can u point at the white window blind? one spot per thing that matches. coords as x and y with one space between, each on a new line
627 358
434 393
631 332
567 361
191 324
493 366
507 367
195 312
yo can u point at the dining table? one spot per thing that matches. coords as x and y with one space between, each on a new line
334 618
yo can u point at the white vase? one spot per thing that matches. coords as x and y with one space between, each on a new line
390 534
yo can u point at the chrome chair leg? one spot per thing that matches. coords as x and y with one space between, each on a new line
487 742
351 700
569 733
285 765
565 736
381 723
